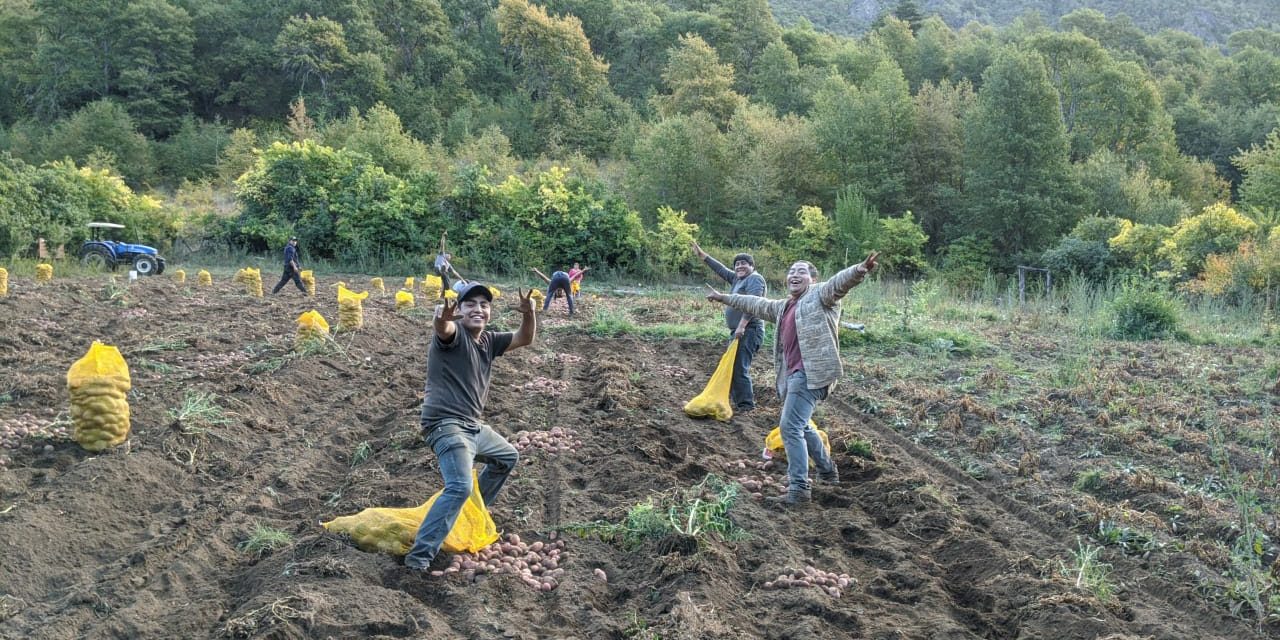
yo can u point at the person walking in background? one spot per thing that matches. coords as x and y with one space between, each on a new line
459 368
558 282
575 278
443 264
807 356
746 328
291 269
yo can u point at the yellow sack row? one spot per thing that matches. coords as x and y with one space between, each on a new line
4 282
773 447
44 272
376 285
391 531
308 281
350 308
311 326
713 402
204 279
404 300
180 276
98 384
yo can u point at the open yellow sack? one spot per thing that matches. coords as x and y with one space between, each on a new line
404 300
4 282
391 531
773 447
204 279
97 384
713 402
308 278
350 308
311 326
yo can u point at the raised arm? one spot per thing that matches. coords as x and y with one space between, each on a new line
762 308
724 272
839 285
541 274
443 234
528 321
444 321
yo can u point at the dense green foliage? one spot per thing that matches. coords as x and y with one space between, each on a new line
540 131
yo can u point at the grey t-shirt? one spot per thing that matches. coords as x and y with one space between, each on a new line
752 285
458 374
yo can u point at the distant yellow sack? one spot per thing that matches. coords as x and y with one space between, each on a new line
404 300
44 272
431 286
350 308
4 282
773 447
180 276
253 282
98 384
376 285
392 531
308 281
713 402
536 296
204 279
311 326
450 295
408 283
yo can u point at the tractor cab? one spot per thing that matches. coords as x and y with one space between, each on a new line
103 253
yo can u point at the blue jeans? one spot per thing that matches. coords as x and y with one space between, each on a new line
740 391
456 444
799 439
559 282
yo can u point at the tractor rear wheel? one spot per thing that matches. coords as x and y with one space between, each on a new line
97 259
144 265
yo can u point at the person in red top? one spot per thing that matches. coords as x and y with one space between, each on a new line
575 278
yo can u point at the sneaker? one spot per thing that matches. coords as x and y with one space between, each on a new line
830 477
744 408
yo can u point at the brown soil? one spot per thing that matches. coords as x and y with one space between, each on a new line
142 541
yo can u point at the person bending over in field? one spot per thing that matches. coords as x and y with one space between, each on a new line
806 354
459 363
558 283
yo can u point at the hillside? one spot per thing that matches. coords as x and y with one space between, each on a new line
962 513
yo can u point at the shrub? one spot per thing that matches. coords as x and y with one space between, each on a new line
902 241
1218 229
1139 246
669 244
967 261
1090 259
1141 313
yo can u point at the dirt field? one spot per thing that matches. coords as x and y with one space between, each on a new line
144 541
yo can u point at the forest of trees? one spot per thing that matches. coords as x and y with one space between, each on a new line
611 130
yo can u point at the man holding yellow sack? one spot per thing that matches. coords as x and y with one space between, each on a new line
806 354
746 328
459 364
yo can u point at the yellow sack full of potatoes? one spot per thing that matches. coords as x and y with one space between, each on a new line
180 276
404 300
204 278
408 283
713 402
311 326
536 296
44 272
377 285
773 447
391 531
431 286
98 384
350 308
253 282
4 282
308 280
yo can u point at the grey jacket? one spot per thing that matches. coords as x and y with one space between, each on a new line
817 326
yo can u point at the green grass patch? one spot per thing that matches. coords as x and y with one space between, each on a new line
263 540
696 512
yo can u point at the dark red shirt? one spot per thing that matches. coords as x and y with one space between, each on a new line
790 343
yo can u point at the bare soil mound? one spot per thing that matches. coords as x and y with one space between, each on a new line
146 540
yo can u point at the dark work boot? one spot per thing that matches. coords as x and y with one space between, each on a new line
830 477
791 498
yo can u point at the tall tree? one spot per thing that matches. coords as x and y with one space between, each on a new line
697 81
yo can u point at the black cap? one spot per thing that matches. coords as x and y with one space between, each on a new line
475 289
293 238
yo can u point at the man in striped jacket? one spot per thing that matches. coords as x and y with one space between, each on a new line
806 355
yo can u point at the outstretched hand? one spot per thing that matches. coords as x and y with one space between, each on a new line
870 263
524 301
715 296
697 249
447 311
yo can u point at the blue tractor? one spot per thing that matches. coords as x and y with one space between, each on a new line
109 254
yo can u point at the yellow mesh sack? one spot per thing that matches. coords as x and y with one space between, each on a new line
496 293
575 287
44 272
404 300
408 283
536 296
773 447
376 285
431 286
204 278
350 308
713 402
450 295
392 531
311 326
97 384
253 282
241 276
308 280
4 282
180 276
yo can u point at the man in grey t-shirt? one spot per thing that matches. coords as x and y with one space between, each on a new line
459 363
748 329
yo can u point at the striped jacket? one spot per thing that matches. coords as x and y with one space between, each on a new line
817 326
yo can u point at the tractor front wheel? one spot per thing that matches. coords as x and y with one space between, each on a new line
97 259
144 265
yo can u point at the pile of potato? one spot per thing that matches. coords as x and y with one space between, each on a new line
98 383
545 386
537 564
26 426
829 582
44 272
759 483
557 440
